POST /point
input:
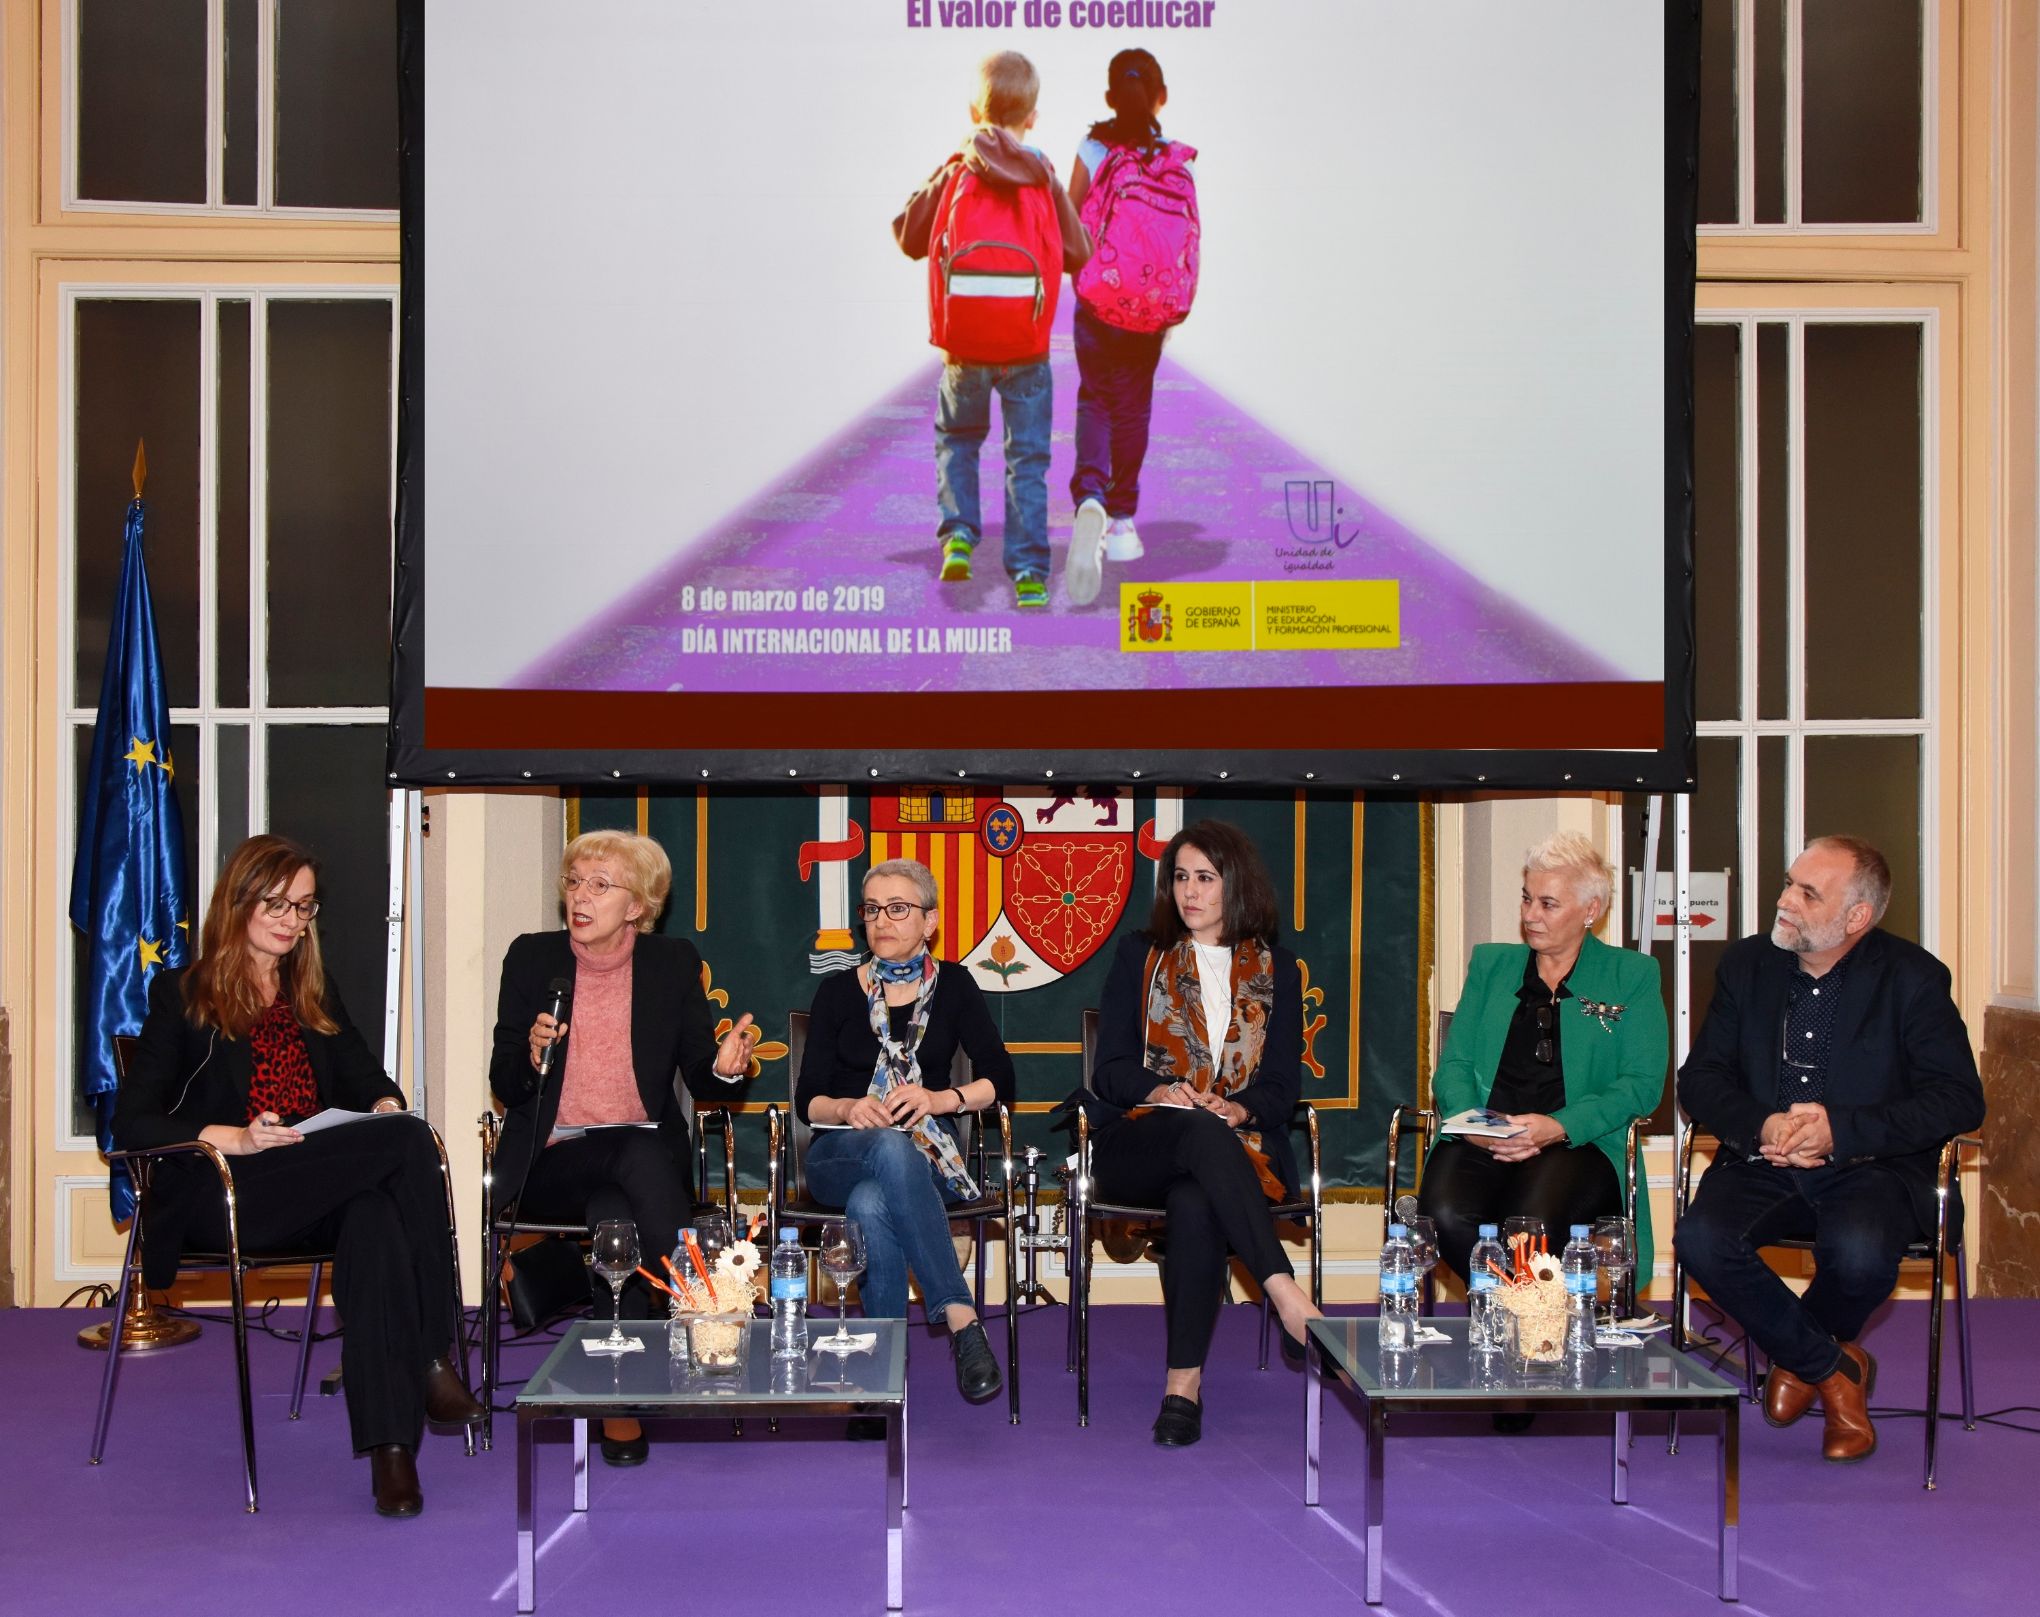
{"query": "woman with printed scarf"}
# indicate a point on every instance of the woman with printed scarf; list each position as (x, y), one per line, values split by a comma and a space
(874, 1084)
(1200, 1039)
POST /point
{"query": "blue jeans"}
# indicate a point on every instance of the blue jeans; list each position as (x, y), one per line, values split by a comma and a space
(880, 1178)
(1115, 400)
(963, 420)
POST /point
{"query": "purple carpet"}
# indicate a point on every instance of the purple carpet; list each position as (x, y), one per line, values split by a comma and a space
(1216, 504)
(1044, 1518)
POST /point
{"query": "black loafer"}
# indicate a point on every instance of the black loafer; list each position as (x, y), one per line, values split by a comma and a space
(977, 1372)
(1180, 1423)
(1513, 1425)
(393, 1474)
(865, 1429)
(625, 1451)
(447, 1400)
(1292, 1350)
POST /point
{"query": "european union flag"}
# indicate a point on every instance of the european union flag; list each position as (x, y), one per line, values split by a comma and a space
(128, 886)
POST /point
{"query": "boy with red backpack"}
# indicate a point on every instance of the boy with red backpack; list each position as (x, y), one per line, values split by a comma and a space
(998, 231)
(1137, 194)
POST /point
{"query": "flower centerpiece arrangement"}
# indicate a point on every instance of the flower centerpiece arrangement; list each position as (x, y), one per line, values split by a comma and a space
(1533, 1298)
(712, 1304)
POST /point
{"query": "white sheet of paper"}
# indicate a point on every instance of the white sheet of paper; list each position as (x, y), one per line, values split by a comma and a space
(1475, 1120)
(573, 1131)
(333, 1117)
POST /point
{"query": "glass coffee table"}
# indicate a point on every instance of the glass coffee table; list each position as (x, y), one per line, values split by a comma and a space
(1445, 1378)
(576, 1385)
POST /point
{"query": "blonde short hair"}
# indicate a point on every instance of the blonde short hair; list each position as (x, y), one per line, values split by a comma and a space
(1591, 876)
(646, 872)
(1008, 87)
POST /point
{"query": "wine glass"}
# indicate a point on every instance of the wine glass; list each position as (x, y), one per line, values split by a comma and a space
(1523, 1224)
(713, 1235)
(1615, 1257)
(1424, 1242)
(614, 1256)
(843, 1262)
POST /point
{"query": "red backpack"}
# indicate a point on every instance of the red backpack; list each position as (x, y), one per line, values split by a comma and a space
(1141, 211)
(994, 270)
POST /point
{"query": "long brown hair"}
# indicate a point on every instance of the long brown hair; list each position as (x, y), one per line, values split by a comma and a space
(220, 989)
(1250, 908)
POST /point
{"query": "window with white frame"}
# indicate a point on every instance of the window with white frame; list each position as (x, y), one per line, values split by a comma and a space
(1815, 439)
(241, 107)
(269, 423)
(1816, 116)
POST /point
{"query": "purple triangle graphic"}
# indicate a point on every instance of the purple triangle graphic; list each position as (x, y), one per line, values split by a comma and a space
(1216, 504)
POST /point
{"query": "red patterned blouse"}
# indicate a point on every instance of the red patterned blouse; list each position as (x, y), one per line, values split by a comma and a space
(282, 1080)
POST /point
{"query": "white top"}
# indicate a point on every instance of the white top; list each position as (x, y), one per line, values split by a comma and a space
(1214, 981)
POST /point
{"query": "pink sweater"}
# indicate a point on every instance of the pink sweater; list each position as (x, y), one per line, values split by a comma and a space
(600, 1083)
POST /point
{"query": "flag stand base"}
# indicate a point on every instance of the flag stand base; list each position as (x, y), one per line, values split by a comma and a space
(143, 1330)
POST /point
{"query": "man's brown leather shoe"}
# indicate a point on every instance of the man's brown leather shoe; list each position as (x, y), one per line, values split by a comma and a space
(1845, 1402)
(447, 1401)
(394, 1476)
(1786, 1397)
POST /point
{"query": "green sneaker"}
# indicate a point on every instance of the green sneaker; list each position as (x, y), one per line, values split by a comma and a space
(956, 559)
(1030, 591)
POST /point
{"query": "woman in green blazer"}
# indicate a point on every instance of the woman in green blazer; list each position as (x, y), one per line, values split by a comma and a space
(1564, 1035)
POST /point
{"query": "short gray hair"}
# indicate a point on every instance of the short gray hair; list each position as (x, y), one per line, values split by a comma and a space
(1591, 876)
(1870, 882)
(908, 870)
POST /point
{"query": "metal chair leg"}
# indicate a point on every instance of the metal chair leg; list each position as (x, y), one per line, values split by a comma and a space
(130, 1276)
(310, 1330)
(1266, 1314)
(492, 1335)
(238, 1283)
(1934, 1364)
(1962, 1339)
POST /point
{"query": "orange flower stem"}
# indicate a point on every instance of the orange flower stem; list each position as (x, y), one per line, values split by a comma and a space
(655, 1280)
(694, 1257)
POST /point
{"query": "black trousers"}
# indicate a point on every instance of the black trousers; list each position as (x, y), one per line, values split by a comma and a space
(1859, 1220)
(1193, 1167)
(615, 1173)
(1465, 1187)
(372, 1194)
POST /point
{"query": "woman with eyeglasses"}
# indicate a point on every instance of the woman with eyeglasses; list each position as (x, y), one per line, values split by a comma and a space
(890, 1128)
(597, 1131)
(239, 1047)
(1563, 1035)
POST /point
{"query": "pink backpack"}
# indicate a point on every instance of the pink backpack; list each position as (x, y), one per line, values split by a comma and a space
(1141, 211)
(994, 271)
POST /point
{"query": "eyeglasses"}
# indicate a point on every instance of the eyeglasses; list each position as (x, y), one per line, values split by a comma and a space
(1547, 1024)
(898, 910)
(598, 885)
(276, 905)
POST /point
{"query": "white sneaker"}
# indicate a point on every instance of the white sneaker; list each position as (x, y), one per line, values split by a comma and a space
(1122, 543)
(1087, 559)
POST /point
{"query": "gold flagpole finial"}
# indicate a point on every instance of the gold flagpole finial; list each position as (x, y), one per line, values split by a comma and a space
(141, 467)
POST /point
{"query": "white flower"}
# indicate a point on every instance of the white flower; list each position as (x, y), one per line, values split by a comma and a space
(739, 1260)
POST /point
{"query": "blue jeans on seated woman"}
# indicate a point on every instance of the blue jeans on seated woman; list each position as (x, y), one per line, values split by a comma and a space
(880, 1178)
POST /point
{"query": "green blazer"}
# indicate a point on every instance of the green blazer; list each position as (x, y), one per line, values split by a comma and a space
(1612, 1073)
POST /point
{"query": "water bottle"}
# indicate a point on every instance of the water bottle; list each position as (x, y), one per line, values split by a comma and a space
(1483, 1291)
(1577, 1265)
(789, 1296)
(1398, 1331)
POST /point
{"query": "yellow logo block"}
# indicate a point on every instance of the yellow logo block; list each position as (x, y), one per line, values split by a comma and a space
(1331, 615)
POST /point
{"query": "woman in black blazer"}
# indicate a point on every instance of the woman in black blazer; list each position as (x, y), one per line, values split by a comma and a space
(1200, 1041)
(248, 1041)
(602, 1134)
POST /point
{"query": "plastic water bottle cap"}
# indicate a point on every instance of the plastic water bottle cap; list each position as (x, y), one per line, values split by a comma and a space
(1398, 1232)
(1582, 1232)
(789, 1233)
(1490, 1232)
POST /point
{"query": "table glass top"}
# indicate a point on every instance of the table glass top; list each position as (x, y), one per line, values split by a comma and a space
(1445, 1370)
(664, 1373)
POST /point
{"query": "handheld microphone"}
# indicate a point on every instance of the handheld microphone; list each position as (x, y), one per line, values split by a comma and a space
(558, 993)
(1405, 1209)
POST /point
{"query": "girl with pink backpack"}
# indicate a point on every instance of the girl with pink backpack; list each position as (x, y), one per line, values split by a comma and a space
(1136, 191)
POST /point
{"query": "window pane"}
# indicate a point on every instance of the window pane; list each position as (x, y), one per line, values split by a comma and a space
(231, 501)
(1869, 787)
(1860, 120)
(1717, 519)
(336, 104)
(1769, 96)
(1775, 843)
(184, 753)
(1774, 506)
(329, 503)
(243, 93)
(141, 100)
(1718, 123)
(138, 380)
(230, 771)
(325, 790)
(1863, 514)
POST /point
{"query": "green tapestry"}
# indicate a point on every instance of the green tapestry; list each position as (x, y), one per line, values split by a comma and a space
(1035, 884)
